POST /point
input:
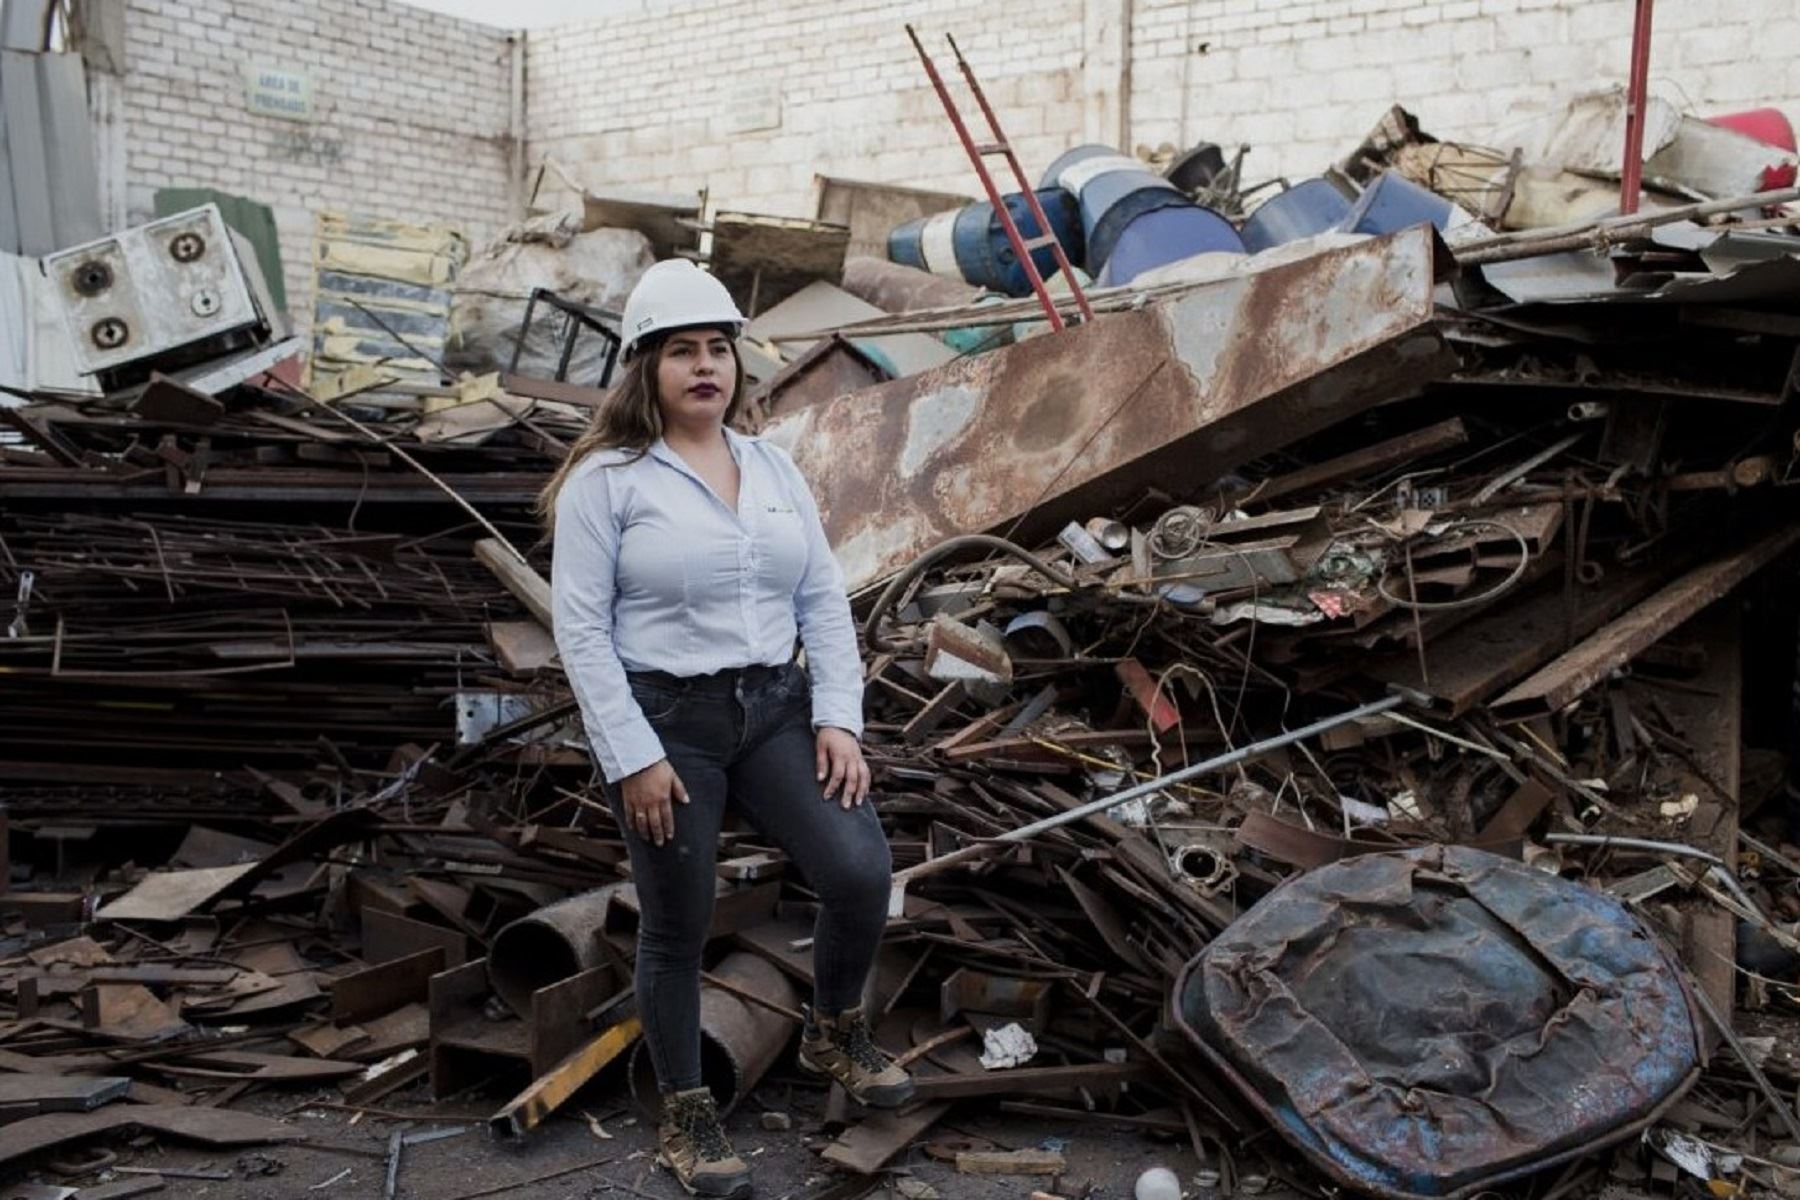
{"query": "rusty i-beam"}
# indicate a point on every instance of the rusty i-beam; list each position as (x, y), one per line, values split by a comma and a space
(1170, 395)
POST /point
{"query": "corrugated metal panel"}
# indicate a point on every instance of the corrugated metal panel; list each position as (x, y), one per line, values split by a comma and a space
(47, 160)
(15, 325)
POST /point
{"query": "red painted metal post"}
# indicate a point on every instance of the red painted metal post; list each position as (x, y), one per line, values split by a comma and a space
(1637, 100)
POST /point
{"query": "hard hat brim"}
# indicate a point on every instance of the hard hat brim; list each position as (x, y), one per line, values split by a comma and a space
(731, 329)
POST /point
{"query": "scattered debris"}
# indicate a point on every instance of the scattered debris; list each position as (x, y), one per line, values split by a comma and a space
(1393, 541)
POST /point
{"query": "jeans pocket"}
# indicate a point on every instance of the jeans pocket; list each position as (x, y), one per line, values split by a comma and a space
(658, 704)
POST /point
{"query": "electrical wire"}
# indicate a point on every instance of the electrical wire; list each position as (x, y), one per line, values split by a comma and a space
(1518, 573)
(891, 594)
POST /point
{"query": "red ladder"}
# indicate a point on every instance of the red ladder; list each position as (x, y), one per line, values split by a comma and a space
(1022, 247)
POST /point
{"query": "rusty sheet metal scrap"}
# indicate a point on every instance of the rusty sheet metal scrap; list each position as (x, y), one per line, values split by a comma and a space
(1433, 1022)
(1179, 391)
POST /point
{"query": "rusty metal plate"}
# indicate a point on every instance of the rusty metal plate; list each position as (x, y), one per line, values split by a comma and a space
(1437, 1021)
(1062, 426)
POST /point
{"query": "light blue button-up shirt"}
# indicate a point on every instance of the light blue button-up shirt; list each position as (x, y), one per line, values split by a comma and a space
(654, 572)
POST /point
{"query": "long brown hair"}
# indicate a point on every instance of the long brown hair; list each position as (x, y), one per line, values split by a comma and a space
(629, 418)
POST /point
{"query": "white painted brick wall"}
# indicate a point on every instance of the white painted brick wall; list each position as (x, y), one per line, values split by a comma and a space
(646, 100)
(640, 100)
(410, 114)
(1466, 68)
(412, 107)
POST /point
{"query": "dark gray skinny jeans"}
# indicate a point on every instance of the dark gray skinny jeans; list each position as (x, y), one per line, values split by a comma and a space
(744, 738)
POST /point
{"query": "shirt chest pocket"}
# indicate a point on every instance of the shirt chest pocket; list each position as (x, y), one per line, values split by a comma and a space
(781, 546)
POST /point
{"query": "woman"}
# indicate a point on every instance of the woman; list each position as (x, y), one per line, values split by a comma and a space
(687, 559)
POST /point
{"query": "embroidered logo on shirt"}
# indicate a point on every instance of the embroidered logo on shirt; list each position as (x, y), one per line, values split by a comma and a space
(777, 508)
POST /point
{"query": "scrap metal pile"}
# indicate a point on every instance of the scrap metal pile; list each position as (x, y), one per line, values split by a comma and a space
(298, 796)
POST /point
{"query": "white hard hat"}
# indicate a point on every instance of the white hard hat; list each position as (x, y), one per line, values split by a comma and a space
(675, 294)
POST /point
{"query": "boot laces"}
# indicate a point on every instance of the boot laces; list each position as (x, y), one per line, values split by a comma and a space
(854, 1040)
(698, 1118)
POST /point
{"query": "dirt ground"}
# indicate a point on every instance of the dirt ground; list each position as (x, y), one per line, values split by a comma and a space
(345, 1159)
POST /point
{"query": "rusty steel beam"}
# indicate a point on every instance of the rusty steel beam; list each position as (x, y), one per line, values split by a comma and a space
(1506, 642)
(1382, 456)
(1567, 676)
(1170, 396)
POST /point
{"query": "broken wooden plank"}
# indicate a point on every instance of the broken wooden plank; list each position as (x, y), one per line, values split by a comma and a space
(1010, 1162)
(516, 575)
(523, 647)
(934, 713)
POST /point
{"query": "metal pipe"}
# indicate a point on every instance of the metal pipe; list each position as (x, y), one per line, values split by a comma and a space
(1605, 231)
(932, 866)
(554, 943)
(739, 1041)
(1637, 97)
(515, 131)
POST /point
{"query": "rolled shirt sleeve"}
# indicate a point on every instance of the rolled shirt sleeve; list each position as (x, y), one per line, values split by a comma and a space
(582, 584)
(822, 613)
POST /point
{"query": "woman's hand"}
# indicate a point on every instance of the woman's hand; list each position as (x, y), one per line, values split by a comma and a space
(842, 770)
(650, 797)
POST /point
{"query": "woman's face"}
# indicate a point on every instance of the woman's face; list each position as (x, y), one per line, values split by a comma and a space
(695, 376)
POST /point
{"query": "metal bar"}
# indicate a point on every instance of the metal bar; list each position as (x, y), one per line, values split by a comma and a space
(1607, 841)
(546, 1094)
(1031, 201)
(1572, 673)
(1637, 98)
(512, 365)
(1104, 804)
(1774, 1098)
(1610, 230)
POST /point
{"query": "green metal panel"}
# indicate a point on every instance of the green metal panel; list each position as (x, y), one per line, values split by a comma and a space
(255, 221)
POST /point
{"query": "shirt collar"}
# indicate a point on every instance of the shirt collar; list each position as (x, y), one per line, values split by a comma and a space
(736, 441)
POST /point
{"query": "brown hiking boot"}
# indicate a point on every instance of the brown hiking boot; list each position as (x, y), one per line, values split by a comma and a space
(841, 1047)
(693, 1146)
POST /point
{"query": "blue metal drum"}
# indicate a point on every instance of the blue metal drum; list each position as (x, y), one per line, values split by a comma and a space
(1114, 190)
(970, 243)
(1167, 235)
(1308, 208)
(1394, 202)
